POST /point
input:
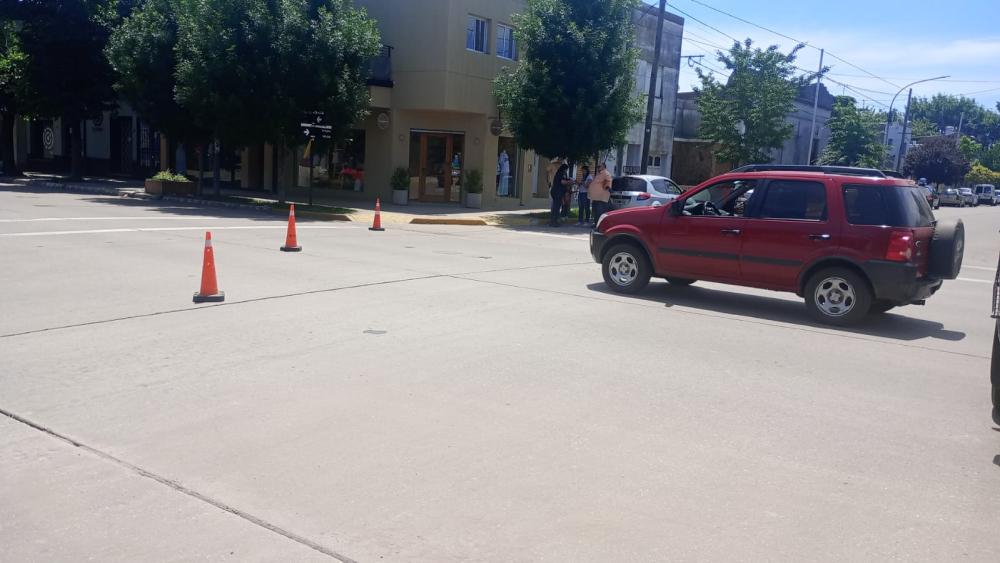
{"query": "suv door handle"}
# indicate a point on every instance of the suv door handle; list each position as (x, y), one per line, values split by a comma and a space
(823, 236)
(732, 232)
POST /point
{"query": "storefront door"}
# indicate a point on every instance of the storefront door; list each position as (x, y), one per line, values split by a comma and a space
(437, 161)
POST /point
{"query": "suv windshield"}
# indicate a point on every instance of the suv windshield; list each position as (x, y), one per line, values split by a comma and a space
(896, 206)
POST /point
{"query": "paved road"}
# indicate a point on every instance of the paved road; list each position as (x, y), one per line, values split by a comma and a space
(465, 394)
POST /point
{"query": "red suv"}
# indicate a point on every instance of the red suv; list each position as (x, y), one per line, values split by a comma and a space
(851, 241)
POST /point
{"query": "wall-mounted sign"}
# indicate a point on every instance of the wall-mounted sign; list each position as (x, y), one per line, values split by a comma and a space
(496, 127)
(48, 139)
(98, 121)
(382, 121)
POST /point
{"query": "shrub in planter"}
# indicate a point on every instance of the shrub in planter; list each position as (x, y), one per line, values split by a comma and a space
(167, 183)
(473, 183)
(400, 182)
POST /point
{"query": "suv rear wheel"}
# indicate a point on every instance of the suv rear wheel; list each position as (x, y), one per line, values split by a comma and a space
(626, 269)
(838, 296)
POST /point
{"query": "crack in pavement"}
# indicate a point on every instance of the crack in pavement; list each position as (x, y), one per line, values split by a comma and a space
(257, 521)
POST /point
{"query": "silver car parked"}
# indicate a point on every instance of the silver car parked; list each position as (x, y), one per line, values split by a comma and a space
(969, 196)
(642, 191)
(951, 196)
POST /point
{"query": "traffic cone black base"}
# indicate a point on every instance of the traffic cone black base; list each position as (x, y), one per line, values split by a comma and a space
(375, 229)
(217, 298)
(291, 249)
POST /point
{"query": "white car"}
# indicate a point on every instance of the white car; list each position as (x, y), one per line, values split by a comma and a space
(987, 193)
(642, 191)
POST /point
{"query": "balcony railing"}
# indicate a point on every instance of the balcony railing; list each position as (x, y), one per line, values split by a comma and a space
(381, 68)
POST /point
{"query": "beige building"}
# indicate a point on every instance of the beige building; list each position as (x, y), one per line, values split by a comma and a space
(433, 113)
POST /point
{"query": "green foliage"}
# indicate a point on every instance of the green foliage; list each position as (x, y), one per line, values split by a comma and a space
(938, 160)
(944, 110)
(990, 157)
(169, 176)
(760, 92)
(855, 136)
(142, 53)
(980, 174)
(922, 128)
(13, 91)
(400, 179)
(473, 181)
(248, 69)
(572, 94)
(971, 150)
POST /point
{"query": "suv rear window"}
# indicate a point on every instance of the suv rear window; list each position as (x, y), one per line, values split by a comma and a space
(896, 206)
(627, 184)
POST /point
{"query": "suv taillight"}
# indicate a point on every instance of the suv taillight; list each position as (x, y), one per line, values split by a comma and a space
(643, 196)
(900, 246)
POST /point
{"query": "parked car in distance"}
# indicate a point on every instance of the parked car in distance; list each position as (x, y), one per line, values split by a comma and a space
(642, 191)
(849, 241)
(968, 197)
(950, 196)
(933, 199)
(987, 193)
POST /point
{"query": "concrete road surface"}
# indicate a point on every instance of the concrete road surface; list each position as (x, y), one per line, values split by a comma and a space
(466, 394)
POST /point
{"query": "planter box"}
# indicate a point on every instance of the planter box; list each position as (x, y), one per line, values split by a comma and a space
(475, 201)
(162, 187)
(401, 197)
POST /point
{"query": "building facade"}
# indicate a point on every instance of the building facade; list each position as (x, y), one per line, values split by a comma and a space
(628, 158)
(433, 114)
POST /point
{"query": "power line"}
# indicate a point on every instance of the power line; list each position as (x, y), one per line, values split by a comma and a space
(912, 79)
(699, 2)
(779, 34)
(979, 92)
(715, 29)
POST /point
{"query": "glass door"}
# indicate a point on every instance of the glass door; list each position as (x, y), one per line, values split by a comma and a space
(436, 165)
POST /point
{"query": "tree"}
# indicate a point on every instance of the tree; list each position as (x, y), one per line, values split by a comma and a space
(142, 53)
(759, 93)
(990, 157)
(293, 56)
(938, 160)
(945, 110)
(971, 150)
(66, 70)
(980, 174)
(12, 92)
(572, 94)
(855, 136)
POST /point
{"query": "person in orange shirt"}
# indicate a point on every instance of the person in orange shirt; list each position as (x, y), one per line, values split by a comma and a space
(599, 192)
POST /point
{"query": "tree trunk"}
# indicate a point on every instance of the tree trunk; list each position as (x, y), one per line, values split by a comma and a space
(216, 169)
(76, 152)
(7, 145)
(202, 158)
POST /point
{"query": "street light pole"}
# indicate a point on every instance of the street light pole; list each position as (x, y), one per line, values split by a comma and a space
(812, 129)
(888, 117)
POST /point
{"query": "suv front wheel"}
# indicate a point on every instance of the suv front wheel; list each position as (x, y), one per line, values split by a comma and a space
(626, 269)
(838, 296)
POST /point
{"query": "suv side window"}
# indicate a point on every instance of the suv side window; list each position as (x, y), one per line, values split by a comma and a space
(865, 205)
(725, 199)
(794, 199)
(666, 187)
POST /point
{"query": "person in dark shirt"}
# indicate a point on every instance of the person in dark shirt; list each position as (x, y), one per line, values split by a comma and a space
(560, 183)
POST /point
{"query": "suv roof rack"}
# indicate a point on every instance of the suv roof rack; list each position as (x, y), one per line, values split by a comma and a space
(893, 174)
(846, 170)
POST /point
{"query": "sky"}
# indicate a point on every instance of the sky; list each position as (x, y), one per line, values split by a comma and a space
(890, 43)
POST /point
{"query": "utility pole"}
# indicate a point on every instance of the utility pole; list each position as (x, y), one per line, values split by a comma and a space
(958, 135)
(812, 130)
(652, 87)
(902, 138)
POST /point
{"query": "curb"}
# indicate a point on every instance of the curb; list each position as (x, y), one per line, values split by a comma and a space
(315, 215)
(466, 222)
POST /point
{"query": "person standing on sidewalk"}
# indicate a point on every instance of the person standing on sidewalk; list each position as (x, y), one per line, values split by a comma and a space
(560, 183)
(599, 192)
(584, 199)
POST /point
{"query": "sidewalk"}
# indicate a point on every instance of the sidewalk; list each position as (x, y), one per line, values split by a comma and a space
(325, 205)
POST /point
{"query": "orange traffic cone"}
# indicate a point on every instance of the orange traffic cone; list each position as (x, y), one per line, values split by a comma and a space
(377, 224)
(209, 287)
(291, 242)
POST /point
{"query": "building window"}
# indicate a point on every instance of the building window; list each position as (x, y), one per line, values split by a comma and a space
(477, 35)
(653, 161)
(506, 47)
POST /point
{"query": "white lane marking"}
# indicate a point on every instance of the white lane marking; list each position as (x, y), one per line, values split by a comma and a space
(160, 229)
(144, 218)
(554, 235)
(974, 281)
(979, 268)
